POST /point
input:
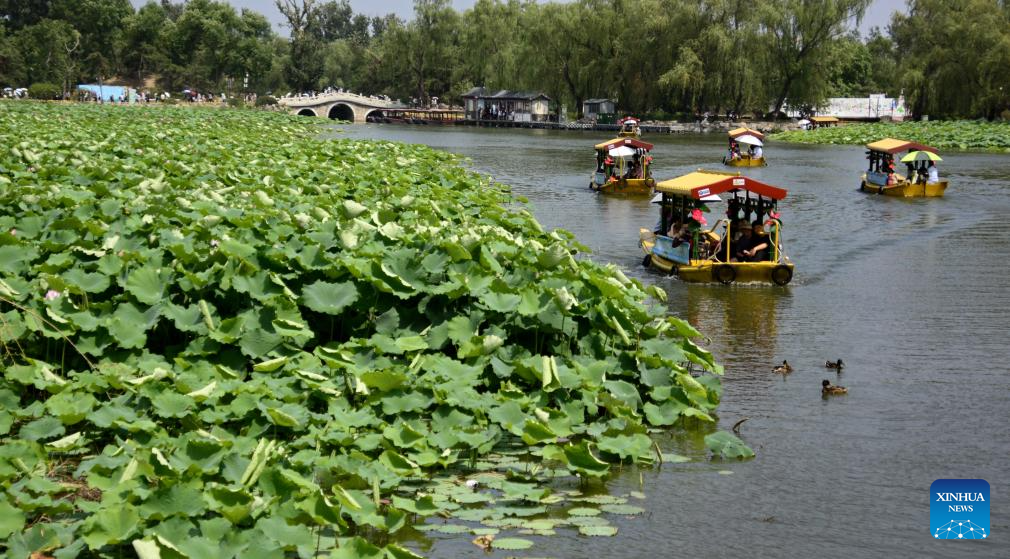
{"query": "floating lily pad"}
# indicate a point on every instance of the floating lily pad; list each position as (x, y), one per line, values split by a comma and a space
(603, 500)
(452, 529)
(511, 544)
(583, 511)
(598, 530)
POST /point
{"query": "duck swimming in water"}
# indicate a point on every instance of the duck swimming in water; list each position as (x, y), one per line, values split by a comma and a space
(829, 389)
(834, 364)
(785, 367)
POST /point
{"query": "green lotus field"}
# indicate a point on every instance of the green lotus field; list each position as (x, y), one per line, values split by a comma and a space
(221, 336)
(964, 135)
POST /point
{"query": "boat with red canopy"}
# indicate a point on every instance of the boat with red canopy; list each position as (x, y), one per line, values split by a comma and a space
(735, 249)
(623, 166)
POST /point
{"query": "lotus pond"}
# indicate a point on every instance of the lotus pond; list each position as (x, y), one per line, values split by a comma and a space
(964, 135)
(225, 337)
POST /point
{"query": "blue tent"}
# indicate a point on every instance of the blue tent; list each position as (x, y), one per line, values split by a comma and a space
(107, 92)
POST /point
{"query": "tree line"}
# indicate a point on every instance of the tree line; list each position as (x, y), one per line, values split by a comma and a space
(950, 58)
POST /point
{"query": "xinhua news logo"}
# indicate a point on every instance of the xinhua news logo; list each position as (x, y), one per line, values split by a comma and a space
(959, 509)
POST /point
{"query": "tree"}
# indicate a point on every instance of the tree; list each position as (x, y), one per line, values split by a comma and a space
(100, 24)
(49, 51)
(799, 32)
(961, 57)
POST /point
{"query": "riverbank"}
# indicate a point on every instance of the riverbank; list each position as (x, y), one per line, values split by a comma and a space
(214, 334)
(959, 135)
(649, 127)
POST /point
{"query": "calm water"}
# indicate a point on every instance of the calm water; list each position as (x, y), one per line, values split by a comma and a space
(914, 295)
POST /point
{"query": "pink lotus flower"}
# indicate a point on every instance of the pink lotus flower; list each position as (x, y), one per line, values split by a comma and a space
(774, 215)
(52, 294)
(14, 231)
(698, 216)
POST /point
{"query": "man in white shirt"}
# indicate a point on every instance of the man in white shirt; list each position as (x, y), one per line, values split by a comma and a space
(932, 173)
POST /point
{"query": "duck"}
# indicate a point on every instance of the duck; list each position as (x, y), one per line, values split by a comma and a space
(834, 364)
(785, 367)
(829, 389)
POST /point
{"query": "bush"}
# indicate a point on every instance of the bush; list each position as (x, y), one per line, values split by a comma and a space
(235, 102)
(265, 100)
(44, 90)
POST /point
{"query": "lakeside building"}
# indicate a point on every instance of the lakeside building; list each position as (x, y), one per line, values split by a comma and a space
(516, 106)
(598, 109)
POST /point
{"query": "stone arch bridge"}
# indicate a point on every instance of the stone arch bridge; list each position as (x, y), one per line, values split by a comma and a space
(341, 106)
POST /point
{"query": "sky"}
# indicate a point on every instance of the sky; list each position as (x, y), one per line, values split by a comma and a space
(878, 14)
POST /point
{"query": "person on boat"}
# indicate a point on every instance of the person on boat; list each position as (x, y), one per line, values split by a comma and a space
(744, 243)
(912, 172)
(762, 248)
(891, 179)
(933, 174)
(758, 152)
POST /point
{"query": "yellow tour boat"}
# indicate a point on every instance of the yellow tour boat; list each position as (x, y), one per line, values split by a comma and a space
(623, 167)
(629, 128)
(732, 250)
(754, 140)
(921, 178)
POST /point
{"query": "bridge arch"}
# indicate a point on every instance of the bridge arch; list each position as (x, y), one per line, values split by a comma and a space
(306, 112)
(342, 111)
(375, 115)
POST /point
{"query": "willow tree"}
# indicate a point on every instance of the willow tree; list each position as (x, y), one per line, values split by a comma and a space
(955, 57)
(799, 34)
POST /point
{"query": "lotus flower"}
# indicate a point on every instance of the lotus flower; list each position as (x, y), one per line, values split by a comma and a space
(52, 294)
(774, 215)
(14, 232)
(698, 216)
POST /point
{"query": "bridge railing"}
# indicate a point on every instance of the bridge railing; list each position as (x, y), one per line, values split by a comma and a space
(345, 95)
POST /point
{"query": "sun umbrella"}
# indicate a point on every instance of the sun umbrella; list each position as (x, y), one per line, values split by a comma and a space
(920, 156)
(622, 151)
(749, 139)
(803, 122)
(710, 198)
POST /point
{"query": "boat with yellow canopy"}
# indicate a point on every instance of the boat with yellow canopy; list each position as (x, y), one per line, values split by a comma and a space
(921, 179)
(732, 250)
(753, 157)
(629, 128)
(623, 166)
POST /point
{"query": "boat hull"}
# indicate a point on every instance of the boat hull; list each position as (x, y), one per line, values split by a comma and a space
(746, 161)
(625, 186)
(711, 271)
(905, 189)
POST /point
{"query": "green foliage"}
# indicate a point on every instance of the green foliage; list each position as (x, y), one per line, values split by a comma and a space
(265, 101)
(45, 91)
(216, 339)
(954, 57)
(993, 136)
